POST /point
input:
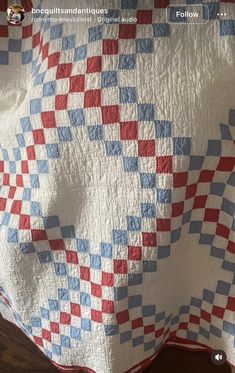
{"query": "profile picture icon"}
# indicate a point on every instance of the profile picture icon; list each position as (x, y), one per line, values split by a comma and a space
(15, 14)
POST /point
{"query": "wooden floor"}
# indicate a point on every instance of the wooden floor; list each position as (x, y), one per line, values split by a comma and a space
(19, 355)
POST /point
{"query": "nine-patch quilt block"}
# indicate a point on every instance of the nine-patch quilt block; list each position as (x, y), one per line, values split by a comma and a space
(117, 182)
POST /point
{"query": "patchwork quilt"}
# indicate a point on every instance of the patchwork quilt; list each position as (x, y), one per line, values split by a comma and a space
(117, 182)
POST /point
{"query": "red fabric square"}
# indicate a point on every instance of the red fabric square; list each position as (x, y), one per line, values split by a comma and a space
(177, 209)
(85, 273)
(149, 329)
(96, 290)
(206, 176)
(31, 153)
(71, 257)
(1, 166)
(27, 5)
(205, 316)
(218, 312)
(46, 335)
(107, 306)
(3, 203)
(11, 193)
(194, 319)
(24, 167)
(38, 235)
(199, 202)
(3, 5)
(149, 239)
(96, 316)
(6, 179)
(53, 59)
(65, 318)
(159, 332)
(128, 131)
(54, 326)
(231, 304)
(45, 51)
(3, 31)
(134, 253)
(61, 102)
(38, 341)
(64, 70)
(94, 64)
(48, 119)
(226, 164)
(27, 31)
(107, 279)
(120, 266)
(110, 114)
(231, 247)
(110, 46)
(57, 244)
(161, 3)
(92, 98)
(191, 191)
(211, 215)
(163, 225)
(137, 323)
(75, 309)
(24, 222)
(36, 39)
(164, 164)
(144, 16)
(222, 231)
(38, 137)
(127, 31)
(180, 179)
(16, 207)
(77, 83)
(146, 148)
(183, 325)
(19, 181)
(122, 317)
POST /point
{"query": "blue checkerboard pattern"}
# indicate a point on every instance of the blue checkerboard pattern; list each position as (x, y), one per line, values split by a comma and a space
(86, 94)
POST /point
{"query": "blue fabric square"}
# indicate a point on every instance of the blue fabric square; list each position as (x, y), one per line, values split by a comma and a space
(45, 257)
(134, 301)
(85, 299)
(113, 147)
(94, 33)
(181, 146)
(13, 235)
(63, 294)
(148, 310)
(6, 218)
(27, 248)
(51, 222)
(49, 88)
(229, 327)
(52, 151)
(111, 16)
(4, 58)
(130, 164)
(161, 29)
(64, 134)
(86, 324)
(133, 223)
(231, 119)
(27, 194)
(127, 95)
(129, 4)
(138, 341)
(120, 237)
(106, 250)
(108, 79)
(42, 167)
(227, 27)
(223, 287)
(126, 336)
(56, 349)
(12, 167)
(15, 45)
(135, 279)
(147, 180)
(54, 305)
(65, 341)
(20, 140)
(27, 57)
(34, 180)
(5, 152)
(208, 296)
(95, 132)
(60, 269)
(68, 231)
(17, 154)
(175, 16)
(146, 112)
(26, 124)
(148, 210)
(75, 333)
(214, 147)
(35, 209)
(83, 245)
(144, 45)
(163, 251)
(76, 117)
(175, 235)
(80, 53)
(95, 261)
(36, 322)
(163, 128)
(39, 79)
(225, 132)
(196, 162)
(35, 106)
(68, 42)
(74, 283)
(127, 61)
(164, 195)
(56, 31)
(210, 10)
(149, 266)
(111, 329)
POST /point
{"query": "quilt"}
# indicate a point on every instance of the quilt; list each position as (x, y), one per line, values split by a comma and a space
(117, 182)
